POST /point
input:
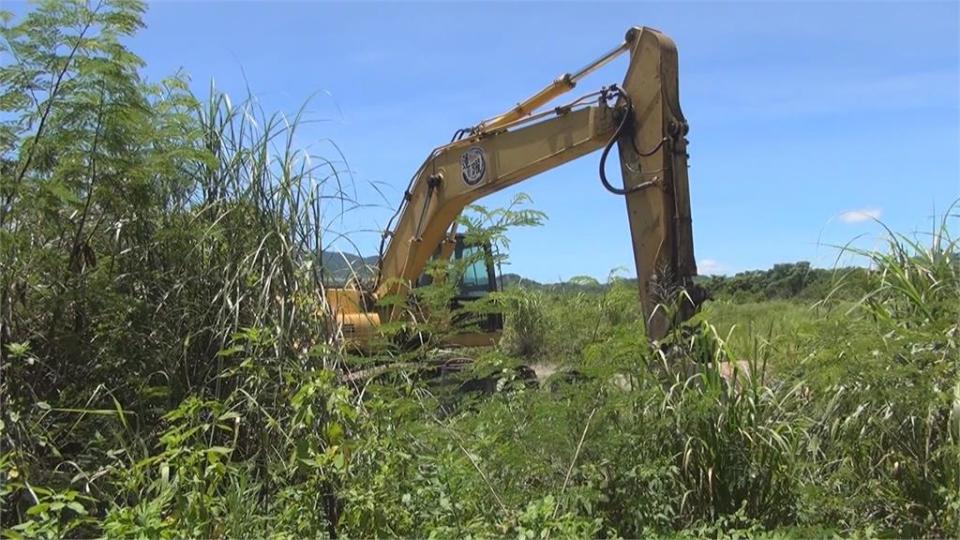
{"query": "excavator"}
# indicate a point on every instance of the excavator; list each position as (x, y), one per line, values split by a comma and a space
(641, 116)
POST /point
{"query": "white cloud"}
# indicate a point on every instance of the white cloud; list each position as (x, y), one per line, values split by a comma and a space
(709, 266)
(863, 214)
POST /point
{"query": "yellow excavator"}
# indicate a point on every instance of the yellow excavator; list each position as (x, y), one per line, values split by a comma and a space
(642, 116)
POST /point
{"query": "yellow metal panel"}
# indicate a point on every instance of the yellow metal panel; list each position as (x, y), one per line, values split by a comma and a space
(358, 327)
(344, 301)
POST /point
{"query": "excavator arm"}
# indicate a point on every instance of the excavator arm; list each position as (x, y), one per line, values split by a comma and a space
(462, 172)
(642, 116)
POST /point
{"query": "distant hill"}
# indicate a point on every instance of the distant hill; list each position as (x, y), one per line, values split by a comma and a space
(585, 284)
(509, 280)
(338, 267)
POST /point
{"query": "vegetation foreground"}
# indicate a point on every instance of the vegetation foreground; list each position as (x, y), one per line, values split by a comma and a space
(166, 369)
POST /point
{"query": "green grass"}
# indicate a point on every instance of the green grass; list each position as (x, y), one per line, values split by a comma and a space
(168, 370)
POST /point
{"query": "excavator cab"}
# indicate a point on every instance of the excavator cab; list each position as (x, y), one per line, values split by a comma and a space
(480, 277)
(480, 274)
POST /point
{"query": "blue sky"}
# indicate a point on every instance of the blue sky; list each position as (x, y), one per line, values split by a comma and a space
(805, 118)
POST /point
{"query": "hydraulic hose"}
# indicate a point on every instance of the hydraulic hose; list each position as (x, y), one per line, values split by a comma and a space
(624, 121)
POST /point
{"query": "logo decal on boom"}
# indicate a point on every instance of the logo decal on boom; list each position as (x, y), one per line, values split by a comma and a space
(473, 163)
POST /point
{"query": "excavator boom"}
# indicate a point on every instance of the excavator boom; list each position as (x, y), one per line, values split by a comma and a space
(462, 172)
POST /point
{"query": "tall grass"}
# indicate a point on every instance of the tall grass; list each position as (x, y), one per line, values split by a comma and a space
(161, 285)
(167, 369)
(841, 423)
(916, 282)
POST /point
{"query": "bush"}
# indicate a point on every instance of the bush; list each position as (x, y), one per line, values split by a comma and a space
(525, 328)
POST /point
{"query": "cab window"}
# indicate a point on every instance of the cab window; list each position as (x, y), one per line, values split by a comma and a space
(476, 280)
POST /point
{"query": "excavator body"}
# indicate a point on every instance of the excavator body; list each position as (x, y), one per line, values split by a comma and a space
(642, 116)
(358, 317)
